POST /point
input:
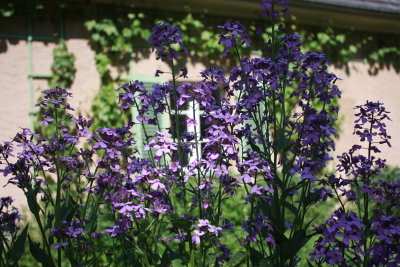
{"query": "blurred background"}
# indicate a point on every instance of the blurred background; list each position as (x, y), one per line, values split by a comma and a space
(93, 46)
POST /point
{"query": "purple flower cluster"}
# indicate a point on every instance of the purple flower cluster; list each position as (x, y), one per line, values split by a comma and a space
(198, 92)
(204, 227)
(370, 123)
(385, 250)
(269, 8)
(256, 226)
(233, 37)
(164, 37)
(372, 239)
(148, 104)
(9, 216)
(342, 234)
(53, 100)
(66, 232)
(162, 145)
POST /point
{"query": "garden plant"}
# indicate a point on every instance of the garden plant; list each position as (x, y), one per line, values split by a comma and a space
(243, 199)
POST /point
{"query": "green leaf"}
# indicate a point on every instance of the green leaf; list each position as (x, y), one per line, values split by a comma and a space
(341, 38)
(211, 258)
(18, 247)
(127, 33)
(178, 263)
(90, 24)
(39, 254)
(353, 49)
(92, 221)
(323, 37)
(256, 258)
(32, 202)
(294, 244)
(283, 143)
(311, 198)
(255, 148)
(166, 258)
(192, 259)
(70, 256)
(238, 258)
(289, 206)
(67, 210)
(309, 263)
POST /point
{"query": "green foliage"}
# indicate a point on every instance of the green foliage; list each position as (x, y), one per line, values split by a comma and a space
(105, 109)
(114, 45)
(63, 68)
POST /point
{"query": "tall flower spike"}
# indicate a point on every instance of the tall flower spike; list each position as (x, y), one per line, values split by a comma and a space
(370, 122)
(234, 35)
(164, 38)
(269, 10)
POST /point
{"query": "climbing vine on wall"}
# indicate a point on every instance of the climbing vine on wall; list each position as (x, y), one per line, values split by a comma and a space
(114, 47)
(63, 68)
(117, 42)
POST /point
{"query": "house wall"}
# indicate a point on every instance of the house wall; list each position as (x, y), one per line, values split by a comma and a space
(357, 86)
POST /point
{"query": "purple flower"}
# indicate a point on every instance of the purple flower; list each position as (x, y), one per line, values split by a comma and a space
(204, 227)
(162, 145)
(164, 38)
(270, 10)
(234, 36)
(198, 92)
(370, 123)
(342, 234)
(9, 216)
(60, 245)
(196, 236)
(385, 249)
(68, 230)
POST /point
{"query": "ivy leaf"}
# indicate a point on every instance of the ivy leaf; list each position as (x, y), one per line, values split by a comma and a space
(341, 38)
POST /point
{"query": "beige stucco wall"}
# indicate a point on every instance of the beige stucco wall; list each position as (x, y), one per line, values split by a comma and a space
(357, 86)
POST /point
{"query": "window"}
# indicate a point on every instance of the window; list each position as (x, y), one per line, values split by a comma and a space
(191, 111)
(148, 129)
